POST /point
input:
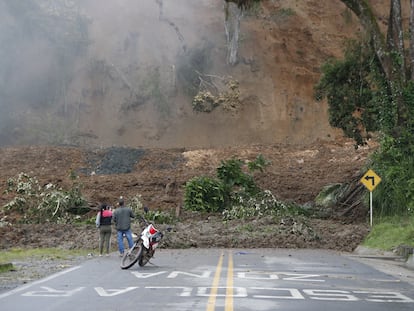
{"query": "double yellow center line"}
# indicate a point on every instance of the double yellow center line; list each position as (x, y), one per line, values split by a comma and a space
(229, 285)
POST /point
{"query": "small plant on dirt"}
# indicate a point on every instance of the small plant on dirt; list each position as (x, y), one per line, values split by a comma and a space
(282, 15)
(136, 204)
(259, 164)
(6, 267)
(159, 217)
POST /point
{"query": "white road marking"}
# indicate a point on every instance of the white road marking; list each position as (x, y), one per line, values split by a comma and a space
(388, 297)
(141, 275)
(25, 287)
(330, 295)
(113, 292)
(369, 295)
(293, 293)
(51, 292)
(186, 291)
(238, 292)
(174, 274)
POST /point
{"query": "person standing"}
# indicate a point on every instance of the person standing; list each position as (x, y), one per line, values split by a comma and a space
(103, 222)
(122, 220)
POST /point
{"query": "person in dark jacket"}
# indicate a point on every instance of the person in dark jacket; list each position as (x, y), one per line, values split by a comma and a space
(103, 222)
(122, 219)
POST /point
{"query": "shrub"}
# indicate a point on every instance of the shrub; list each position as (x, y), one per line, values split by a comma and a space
(231, 174)
(229, 192)
(204, 194)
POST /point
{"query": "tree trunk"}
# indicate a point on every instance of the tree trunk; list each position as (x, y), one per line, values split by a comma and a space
(367, 18)
(395, 38)
(233, 15)
(386, 53)
(411, 29)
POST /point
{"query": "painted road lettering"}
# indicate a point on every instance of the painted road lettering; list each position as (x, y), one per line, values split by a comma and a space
(113, 292)
(231, 292)
(252, 275)
(172, 275)
(50, 292)
(237, 292)
(385, 297)
(276, 293)
(141, 275)
(330, 295)
(185, 291)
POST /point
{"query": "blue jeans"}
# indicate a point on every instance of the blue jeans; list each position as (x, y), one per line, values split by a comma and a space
(120, 236)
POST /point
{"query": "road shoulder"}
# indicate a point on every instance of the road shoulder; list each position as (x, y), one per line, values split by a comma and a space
(386, 262)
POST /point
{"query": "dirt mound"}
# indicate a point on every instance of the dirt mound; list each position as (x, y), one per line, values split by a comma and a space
(296, 174)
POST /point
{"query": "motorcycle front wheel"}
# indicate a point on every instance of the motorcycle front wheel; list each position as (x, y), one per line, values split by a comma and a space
(132, 256)
(145, 257)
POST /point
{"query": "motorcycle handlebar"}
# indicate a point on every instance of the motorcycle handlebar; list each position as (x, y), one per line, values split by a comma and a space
(144, 220)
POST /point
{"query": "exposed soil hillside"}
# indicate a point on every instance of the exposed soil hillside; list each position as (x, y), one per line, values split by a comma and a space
(130, 88)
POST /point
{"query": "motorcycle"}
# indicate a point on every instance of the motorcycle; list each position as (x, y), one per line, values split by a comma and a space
(144, 246)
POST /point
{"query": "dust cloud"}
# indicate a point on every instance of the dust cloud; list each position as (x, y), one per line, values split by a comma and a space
(125, 72)
(91, 70)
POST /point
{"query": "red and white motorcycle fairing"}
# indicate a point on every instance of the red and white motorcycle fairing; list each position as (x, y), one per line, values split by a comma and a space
(151, 237)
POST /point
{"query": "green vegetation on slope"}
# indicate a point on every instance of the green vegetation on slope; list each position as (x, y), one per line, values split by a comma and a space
(391, 232)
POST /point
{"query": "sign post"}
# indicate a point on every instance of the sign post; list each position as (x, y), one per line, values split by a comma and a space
(370, 180)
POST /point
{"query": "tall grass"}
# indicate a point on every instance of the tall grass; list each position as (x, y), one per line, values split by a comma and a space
(16, 254)
(390, 232)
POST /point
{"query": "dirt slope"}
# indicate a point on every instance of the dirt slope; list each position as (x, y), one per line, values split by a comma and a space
(295, 174)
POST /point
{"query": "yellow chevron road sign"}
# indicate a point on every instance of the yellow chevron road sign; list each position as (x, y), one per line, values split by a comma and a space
(370, 180)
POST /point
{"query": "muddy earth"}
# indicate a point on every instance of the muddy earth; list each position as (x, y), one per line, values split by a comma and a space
(296, 174)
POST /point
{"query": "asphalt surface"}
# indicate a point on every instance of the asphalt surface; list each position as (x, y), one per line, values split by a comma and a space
(224, 279)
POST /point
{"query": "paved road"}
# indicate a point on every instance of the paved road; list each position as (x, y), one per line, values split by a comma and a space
(215, 279)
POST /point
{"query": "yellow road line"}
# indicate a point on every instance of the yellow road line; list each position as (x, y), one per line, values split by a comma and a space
(229, 289)
(213, 294)
(216, 281)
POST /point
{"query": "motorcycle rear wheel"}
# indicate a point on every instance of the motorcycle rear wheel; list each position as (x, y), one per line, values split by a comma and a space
(132, 256)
